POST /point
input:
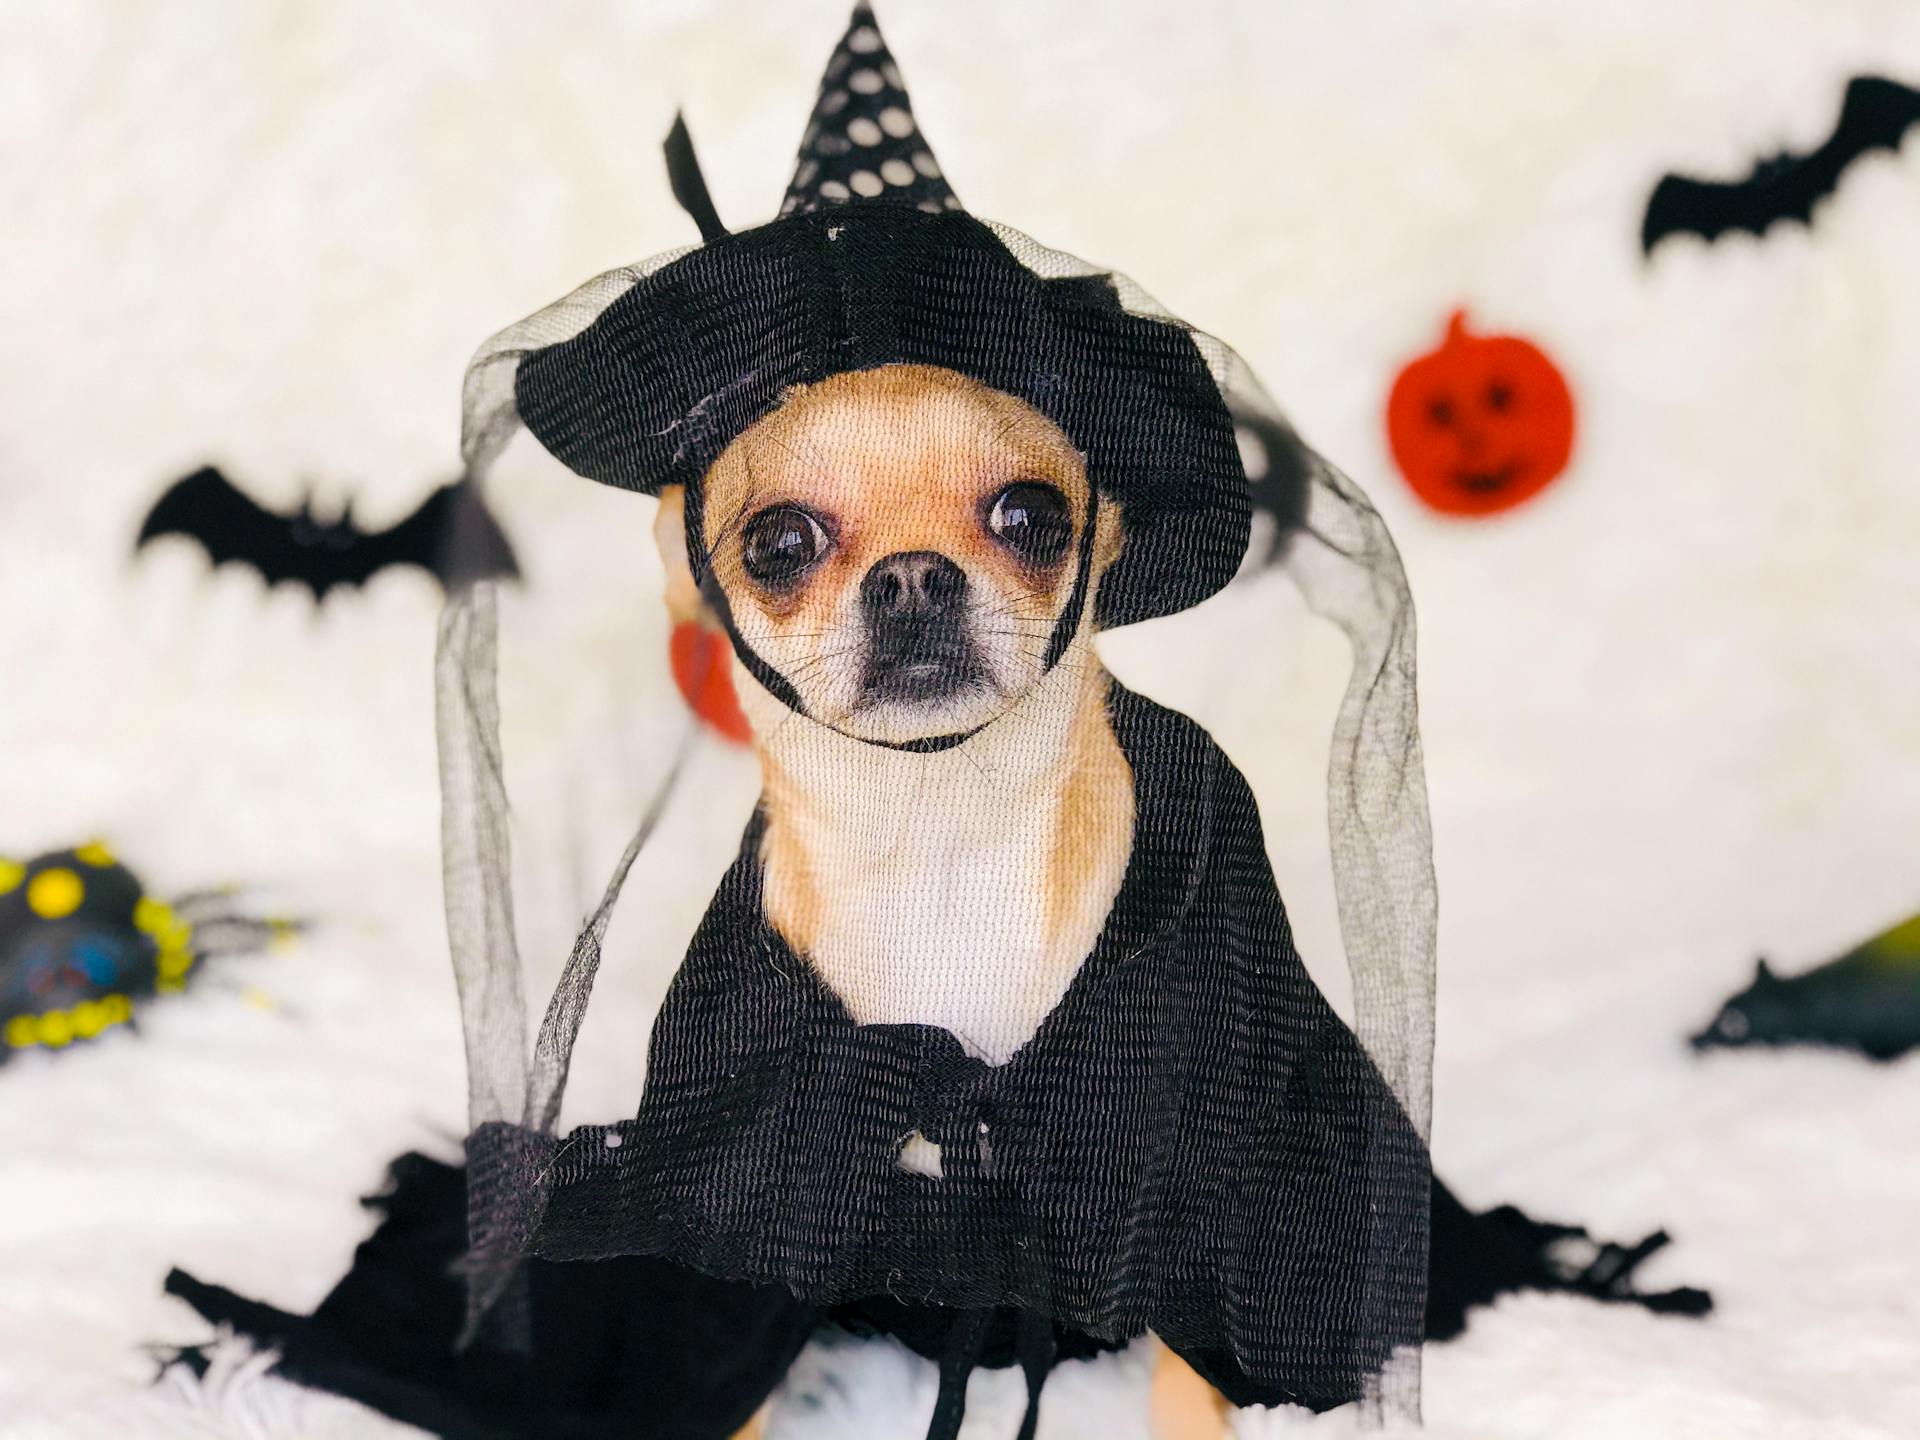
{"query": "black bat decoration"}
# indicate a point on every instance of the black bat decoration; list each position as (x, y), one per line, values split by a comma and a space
(452, 536)
(1876, 116)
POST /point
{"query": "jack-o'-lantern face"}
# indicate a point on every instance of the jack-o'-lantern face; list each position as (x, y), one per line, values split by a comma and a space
(1480, 424)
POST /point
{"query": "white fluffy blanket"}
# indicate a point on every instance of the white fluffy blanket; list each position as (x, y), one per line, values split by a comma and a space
(1672, 709)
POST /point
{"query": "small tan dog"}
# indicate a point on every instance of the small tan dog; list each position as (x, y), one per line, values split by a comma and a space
(906, 539)
(898, 545)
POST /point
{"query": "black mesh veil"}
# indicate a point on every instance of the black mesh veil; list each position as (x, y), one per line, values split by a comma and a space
(1188, 1141)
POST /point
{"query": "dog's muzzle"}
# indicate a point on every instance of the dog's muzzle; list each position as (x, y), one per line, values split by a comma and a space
(919, 648)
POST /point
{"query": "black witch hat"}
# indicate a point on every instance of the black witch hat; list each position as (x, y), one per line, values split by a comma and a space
(873, 262)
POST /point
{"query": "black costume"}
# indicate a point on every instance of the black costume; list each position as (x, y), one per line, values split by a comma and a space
(1193, 1142)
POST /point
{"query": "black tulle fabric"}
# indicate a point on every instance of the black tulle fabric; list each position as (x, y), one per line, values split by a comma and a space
(1193, 1142)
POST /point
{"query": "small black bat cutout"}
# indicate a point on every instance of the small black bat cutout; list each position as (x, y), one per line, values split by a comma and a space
(1876, 115)
(452, 536)
(1867, 1000)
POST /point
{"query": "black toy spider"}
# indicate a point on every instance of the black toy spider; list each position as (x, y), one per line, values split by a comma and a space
(81, 943)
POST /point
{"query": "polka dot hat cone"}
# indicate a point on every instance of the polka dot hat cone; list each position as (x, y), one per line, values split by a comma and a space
(862, 142)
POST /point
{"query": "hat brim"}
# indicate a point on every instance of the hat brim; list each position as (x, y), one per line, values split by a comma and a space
(653, 390)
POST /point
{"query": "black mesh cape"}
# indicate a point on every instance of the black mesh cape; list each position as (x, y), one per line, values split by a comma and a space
(1190, 1141)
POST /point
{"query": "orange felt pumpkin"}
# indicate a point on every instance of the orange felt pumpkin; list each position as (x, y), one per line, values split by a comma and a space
(1480, 424)
(700, 654)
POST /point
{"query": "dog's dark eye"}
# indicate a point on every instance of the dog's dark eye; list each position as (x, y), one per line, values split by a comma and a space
(780, 544)
(1033, 521)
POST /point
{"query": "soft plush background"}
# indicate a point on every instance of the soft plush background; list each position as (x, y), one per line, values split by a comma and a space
(1672, 708)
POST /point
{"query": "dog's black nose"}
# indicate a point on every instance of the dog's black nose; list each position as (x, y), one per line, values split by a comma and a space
(915, 584)
(918, 648)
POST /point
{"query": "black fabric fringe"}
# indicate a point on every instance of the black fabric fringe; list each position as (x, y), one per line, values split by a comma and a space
(645, 1348)
(1476, 1258)
(627, 1347)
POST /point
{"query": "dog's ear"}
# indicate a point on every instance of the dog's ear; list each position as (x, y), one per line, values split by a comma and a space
(670, 534)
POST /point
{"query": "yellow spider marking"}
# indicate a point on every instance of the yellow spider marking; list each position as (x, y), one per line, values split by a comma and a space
(94, 853)
(56, 1029)
(173, 935)
(12, 872)
(156, 918)
(56, 893)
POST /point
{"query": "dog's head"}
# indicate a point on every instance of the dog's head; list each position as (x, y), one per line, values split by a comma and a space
(900, 545)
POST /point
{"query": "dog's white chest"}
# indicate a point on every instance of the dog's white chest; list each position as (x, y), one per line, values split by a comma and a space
(947, 930)
(961, 889)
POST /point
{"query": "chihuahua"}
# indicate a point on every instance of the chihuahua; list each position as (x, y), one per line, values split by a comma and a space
(901, 547)
(898, 545)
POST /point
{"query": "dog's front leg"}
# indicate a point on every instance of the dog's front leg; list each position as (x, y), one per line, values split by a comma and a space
(1182, 1406)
